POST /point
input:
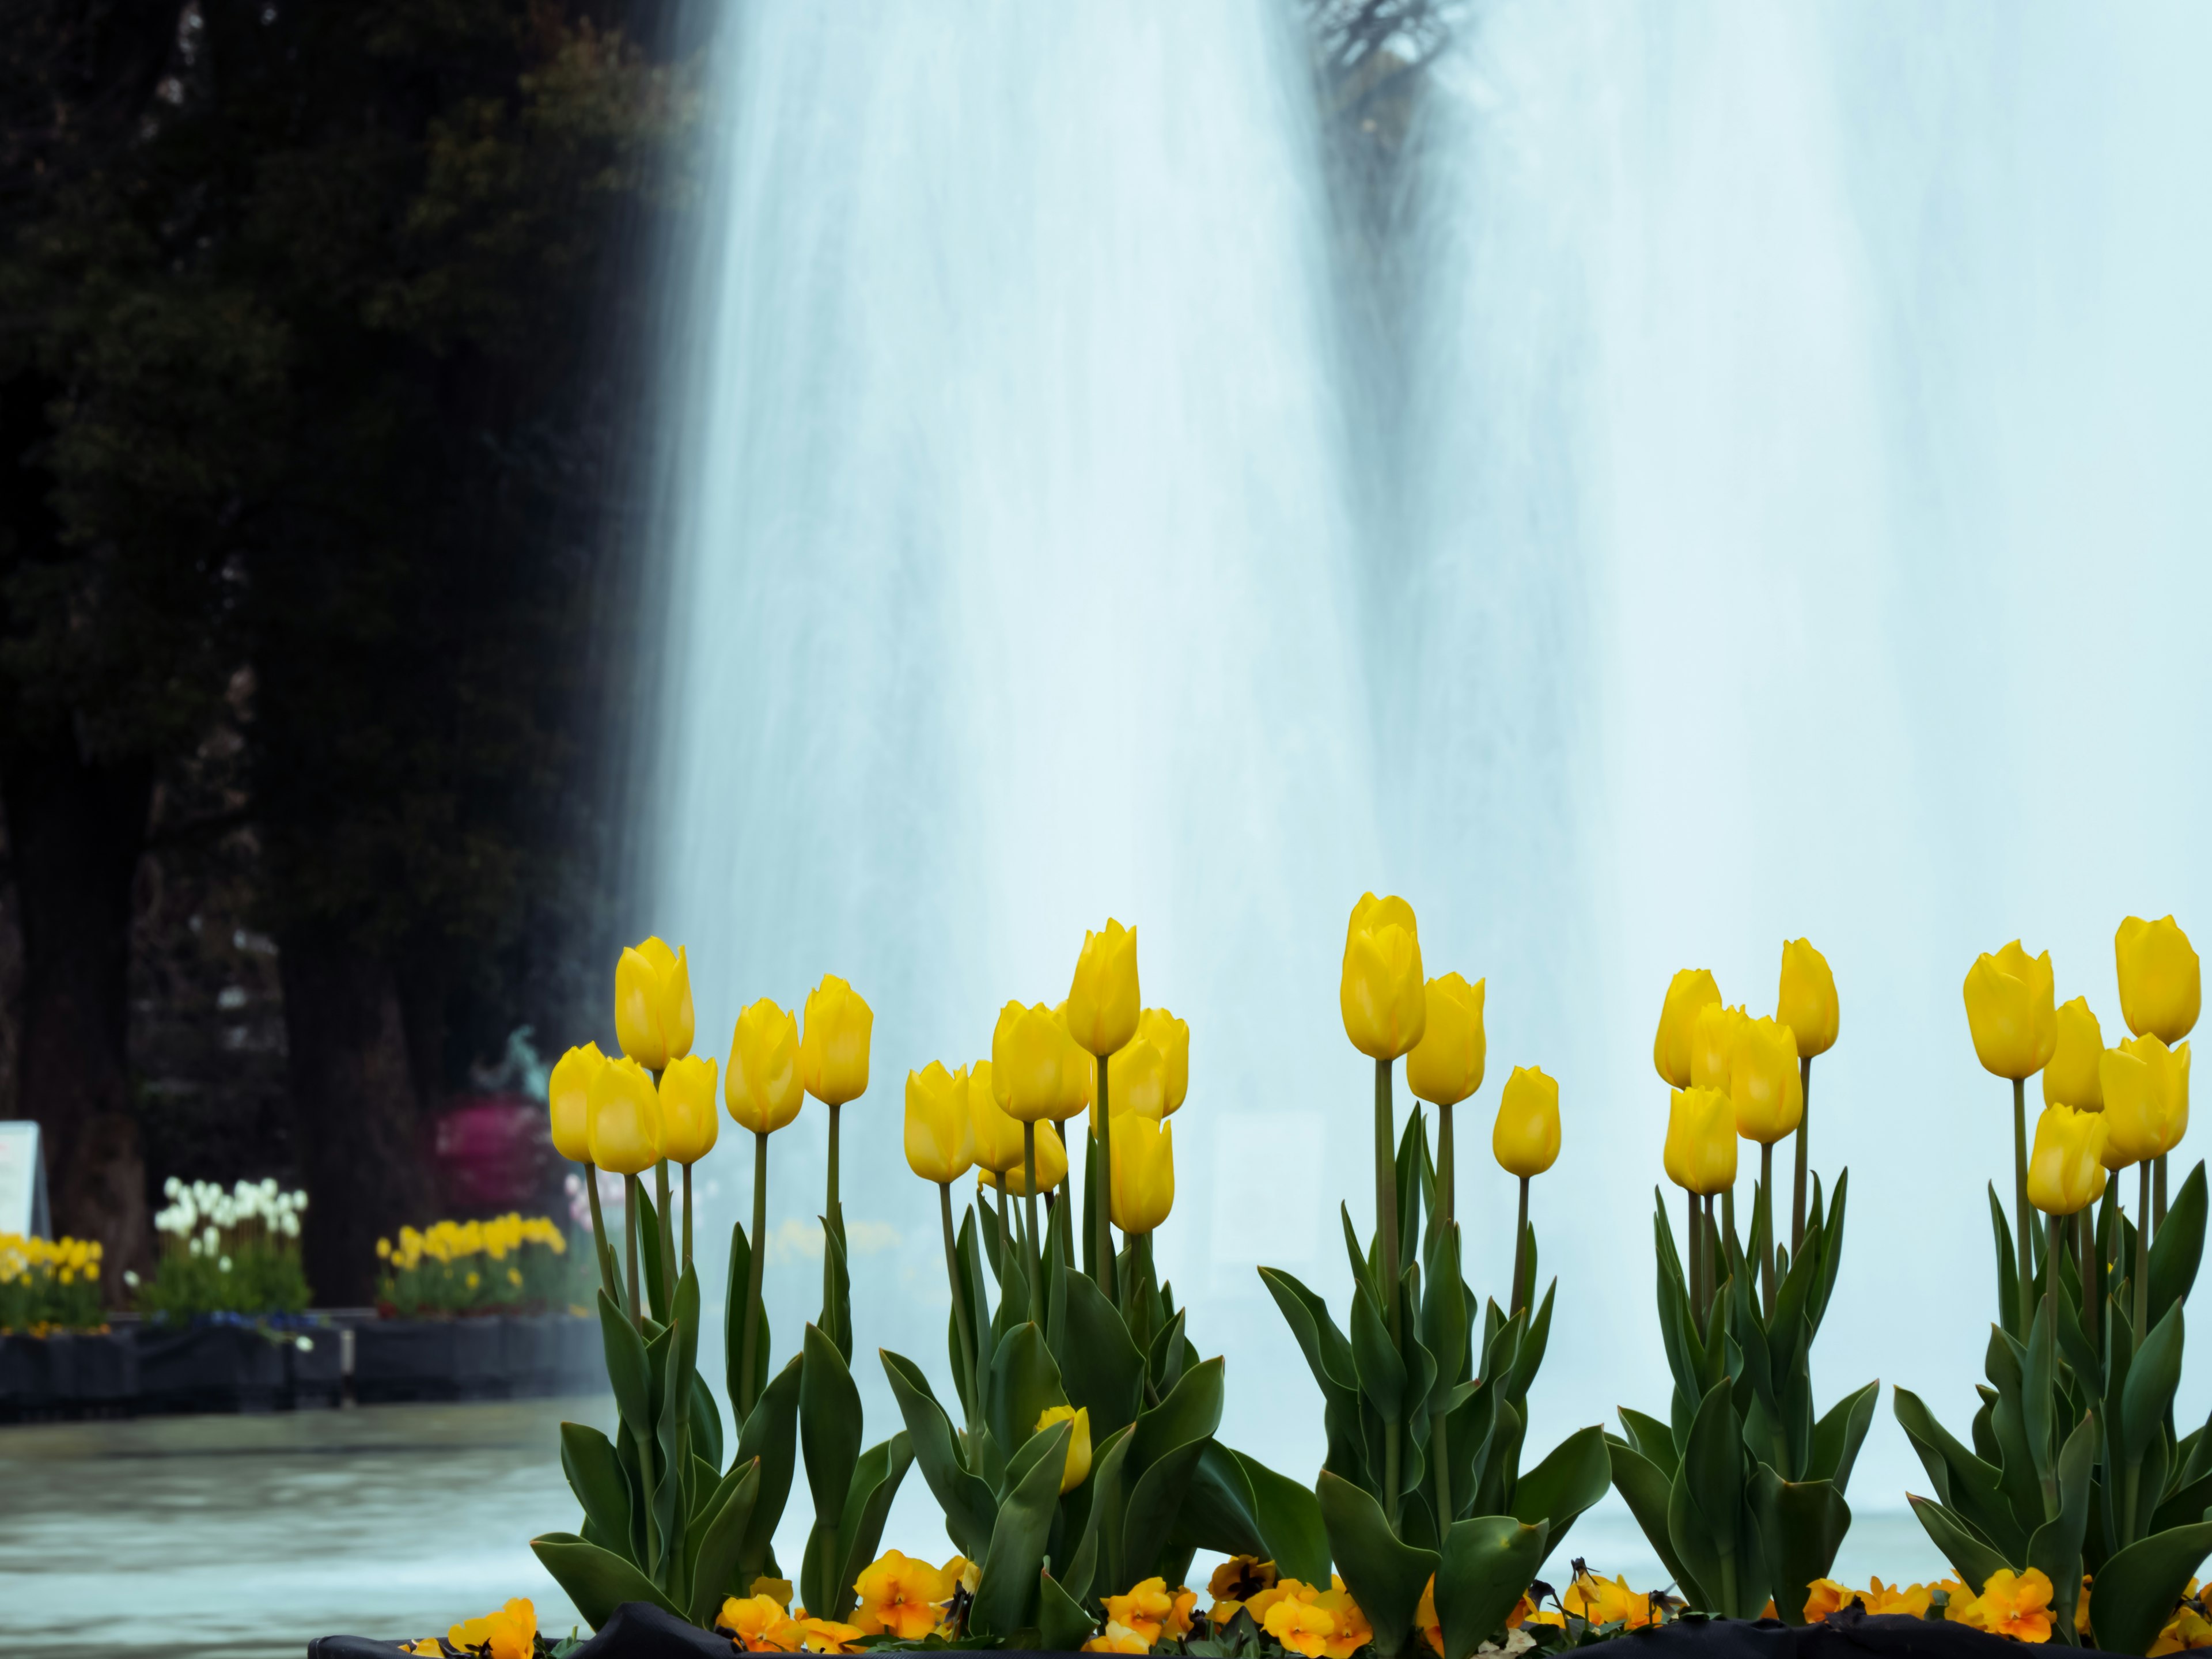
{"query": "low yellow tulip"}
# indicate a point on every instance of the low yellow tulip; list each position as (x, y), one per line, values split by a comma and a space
(1052, 1167)
(1171, 1036)
(1077, 1466)
(1714, 1033)
(761, 1088)
(997, 1137)
(688, 1122)
(569, 1097)
(1691, 990)
(1382, 994)
(1037, 1071)
(1137, 1080)
(653, 1004)
(1807, 1000)
(1144, 1174)
(2161, 986)
(2146, 1099)
(2010, 1011)
(1446, 1067)
(1525, 1139)
(940, 1130)
(833, 1045)
(2066, 1172)
(2074, 1076)
(625, 1118)
(1701, 1141)
(1763, 1082)
(1103, 1002)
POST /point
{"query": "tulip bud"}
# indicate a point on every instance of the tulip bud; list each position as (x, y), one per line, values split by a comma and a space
(1764, 1084)
(997, 1137)
(1103, 1003)
(1036, 1069)
(1701, 1141)
(1078, 1442)
(833, 1048)
(2010, 1012)
(625, 1118)
(762, 1086)
(2161, 987)
(569, 1095)
(1691, 990)
(1383, 996)
(653, 1004)
(1171, 1036)
(1137, 1080)
(2146, 1100)
(2073, 1077)
(1144, 1174)
(688, 1122)
(2066, 1172)
(940, 1131)
(1446, 1067)
(1526, 1137)
(1807, 1001)
(1051, 1161)
(1714, 1034)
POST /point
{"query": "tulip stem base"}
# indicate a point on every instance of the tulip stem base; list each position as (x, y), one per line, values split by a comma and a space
(1804, 1155)
(1447, 1168)
(834, 1213)
(600, 1247)
(2143, 1255)
(970, 1358)
(2050, 1259)
(743, 1390)
(2158, 1196)
(1386, 1196)
(1103, 1222)
(2024, 1228)
(1519, 1293)
(666, 1243)
(1694, 1236)
(1766, 1207)
(1028, 1205)
(687, 1215)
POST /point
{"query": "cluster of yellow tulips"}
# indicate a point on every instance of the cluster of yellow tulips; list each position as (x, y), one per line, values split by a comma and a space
(49, 1284)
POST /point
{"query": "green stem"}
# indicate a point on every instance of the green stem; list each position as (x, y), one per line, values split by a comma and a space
(600, 1247)
(2027, 1237)
(1694, 1234)
(1101, 1225)
(1766, 1246)
(1519, 1293)
(687, 1215)
(1804, 1136)
(1730, 1247)
(2143, 1254)
(1386, 1223)
(1711, 1250)
(834, 1213)
(1447, 1165)
(747, 1351)
(2051, 1362)
(667, 1241)
(2157, 1198)
(1029, 1204)
(959, 1303)
(630, 1227)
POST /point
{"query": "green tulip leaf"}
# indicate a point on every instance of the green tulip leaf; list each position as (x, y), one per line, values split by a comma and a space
(1024, 1383)
(595, 1475)
(1097, 1560)
(1528, 1355)
(2137, 1587)
(2008, 1266)
(1712, 1469)
(2177, 1247)
(1049, 1444)
(715, 1568)
(1062, 1624)
(1568, 1481)
(1385, 1577)
(829, 1428)
(705, 1420)
(1486, 1566)
(836, 1320)
(1382, 1370)
(2056, 1548)
(1290, 1521)
(1962, 1545)
(1645, 1487)
(629, 1373)
(1652, 1438)
(596, 1580)
(1192, 1412)
(1327, 1351)
(733, 1326)
(1692, 1543)
(1802, 1525)
(2152, 1376)
(1101, 1368)
(1006, 1589)
(1154, 1504)
(968, 1505)
(876, 1479)
(1831, 1251)
(1963, 1481)
(1837, 1436)
(768, 1436)
(1168, 1354)
(648, 1254)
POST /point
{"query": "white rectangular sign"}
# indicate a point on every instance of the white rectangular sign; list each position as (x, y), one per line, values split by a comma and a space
(22, 1179)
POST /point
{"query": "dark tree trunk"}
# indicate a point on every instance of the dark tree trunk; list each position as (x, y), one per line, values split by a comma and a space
(74, 832)
(353, 1108)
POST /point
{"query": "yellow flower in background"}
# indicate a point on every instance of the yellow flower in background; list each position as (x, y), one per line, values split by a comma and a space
(2066, 1170)
(1446, 1067)
(1382, 994)
(1806, 1002)
(1171, 1036)
(1525, 1139)
(653, 1004)
(625, 1118)
(760, 1624)
(2146, 1099)
(1103, 1003)
(569, 1095)
(761, 1088)
(689, 1121)
(833, 1045)
(2009, 1009)
(1764, 1082)
(2073, 1077)
(1037, 1071)
(1137, 1080)
(1714, 1032)
(940, 1129)
(1300, 1626)
(1701, 1141)
(1117, 1638)
(826, 1635)
(1051, 1162)
(1691, 990)
(2161, 986)
(1431, 1628)
(899, 1596)
(510, 1634)
(1144, 1174)
(997, 1137)
(1078, 1466)
(2187, 1629)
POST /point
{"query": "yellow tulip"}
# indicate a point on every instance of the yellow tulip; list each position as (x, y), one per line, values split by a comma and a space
(1144, 1174)
(1383, 995)
(1171, 1036)
(653, 1004)
(1525, 1139)
(1807, 1001)
(2009, 1010)
(1446, 1067)
(2066, 1172)
(2160, 986)
(2073, 1077)
(1137, 1080)
(688, 1122)
(569, 1095)
(1078, 1466)
(833, 1047)
(1701, 1141)
(1103, 1003)
(1714, 1033)
(940, 1130)
(1764, 1084)
(997, 1137)
(625, 1118)
(761, 1088)
(1037, 1071)
(1051, 1166)
(1691, 990)
(2146, 1099)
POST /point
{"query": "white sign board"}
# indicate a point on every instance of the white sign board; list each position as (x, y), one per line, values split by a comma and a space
(22, 1180)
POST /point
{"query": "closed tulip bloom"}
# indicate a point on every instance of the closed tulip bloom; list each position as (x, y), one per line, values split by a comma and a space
(1383, 996)
(1446, 1067)
(1714, 1034)
(940, 1130)
(1103, 1003)
(1137, 1080)
(1764, 1084)
(1372, 913)
(689, 1121)
(1701, 1141)
(833, 1045)
(2146, 1099)
(761, 1088)
(1036, 1069)
(625, 1118)
(1691, 990)
(2161, 987)
(997, 1137)
(1171, 1036)
(2066, 1170)
(2074, 1077)
(2010, 1011)
(1807, 1001)
(1144, 1174)
(1051, 1166)
(653, 1004)
(1526, 1140)
(568, 1095)
(1078, 1442)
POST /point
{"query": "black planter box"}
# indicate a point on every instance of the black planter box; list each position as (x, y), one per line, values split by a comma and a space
(211, 1368)
(70, 1374)
(315, 1377)
(398, 1359)
(581, 1356)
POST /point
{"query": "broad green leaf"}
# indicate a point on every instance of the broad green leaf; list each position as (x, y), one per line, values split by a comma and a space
(1385, 1577)
(1382, 1370)
(1191, 1412)
(876, 1481)
(1964, 1547)
(1568, 1481)
(1006, 1591)
(1062, 1624)
(1327, 1351)
(2056, 1548)
(595, 1475)
(829, 1427)
(1802, 1524)
(1712, 1469)
(715, 1568)
(734, 1326)
(770, 1435)
(1964, 1482)
(2153, 1375)
(1644, 1487)
(1154, 1502)
(1485, 1566)
(2137, 1589)
(648, 1254)
(629, 1373)
(1290, 1521)
(597, 1581)
(1837, 1436)
(968, 1505)
(1103, 1369)
(705, 1421)
(2178, 1246)
(1024, 1383)
(1652, 1438)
